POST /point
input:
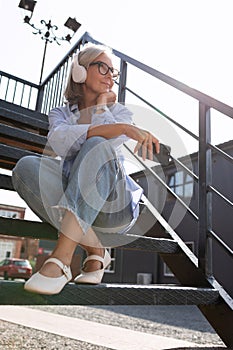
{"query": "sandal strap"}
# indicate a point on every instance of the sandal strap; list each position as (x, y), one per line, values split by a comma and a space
(64, 268)
(94, 257)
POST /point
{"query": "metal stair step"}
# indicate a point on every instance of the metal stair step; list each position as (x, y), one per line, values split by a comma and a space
(12, 292)
(132, 241)
(39, 230)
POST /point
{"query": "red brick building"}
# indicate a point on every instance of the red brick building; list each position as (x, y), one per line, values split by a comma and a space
(16, 247)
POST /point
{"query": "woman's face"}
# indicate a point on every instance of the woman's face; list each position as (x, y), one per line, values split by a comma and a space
(96, 82)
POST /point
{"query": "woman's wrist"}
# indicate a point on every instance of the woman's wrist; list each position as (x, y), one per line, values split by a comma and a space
(125, 129)
(101, 108)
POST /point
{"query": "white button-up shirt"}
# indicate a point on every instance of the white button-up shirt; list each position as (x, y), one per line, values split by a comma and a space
(66, 136)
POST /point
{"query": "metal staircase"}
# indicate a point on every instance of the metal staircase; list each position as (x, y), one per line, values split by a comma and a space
(23, 131)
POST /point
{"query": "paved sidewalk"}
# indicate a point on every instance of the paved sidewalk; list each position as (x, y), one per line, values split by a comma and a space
(112, 337)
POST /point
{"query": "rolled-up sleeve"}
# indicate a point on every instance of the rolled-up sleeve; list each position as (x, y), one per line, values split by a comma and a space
(64, 137)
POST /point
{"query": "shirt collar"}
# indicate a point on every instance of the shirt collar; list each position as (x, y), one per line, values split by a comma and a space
(74, 108)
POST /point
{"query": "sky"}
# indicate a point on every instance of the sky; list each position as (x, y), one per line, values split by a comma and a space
(190, 40)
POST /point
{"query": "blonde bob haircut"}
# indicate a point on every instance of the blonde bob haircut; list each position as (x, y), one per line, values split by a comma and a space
(74, 91)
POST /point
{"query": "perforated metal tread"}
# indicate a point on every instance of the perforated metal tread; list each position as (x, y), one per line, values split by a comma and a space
(24, 228)
(110, 294)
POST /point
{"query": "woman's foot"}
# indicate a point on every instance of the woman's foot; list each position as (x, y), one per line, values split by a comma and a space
(93, 270)
(94, 265)
(44, 284)
(52, 270)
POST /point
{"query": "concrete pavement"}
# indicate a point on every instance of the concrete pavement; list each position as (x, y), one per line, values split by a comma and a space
(113, 337)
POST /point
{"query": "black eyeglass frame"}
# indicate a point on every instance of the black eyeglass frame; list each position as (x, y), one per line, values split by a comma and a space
(113, 70)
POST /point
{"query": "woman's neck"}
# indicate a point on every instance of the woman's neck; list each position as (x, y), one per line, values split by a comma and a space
(89, 100)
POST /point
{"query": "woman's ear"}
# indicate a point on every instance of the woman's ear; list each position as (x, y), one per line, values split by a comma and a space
(79, 73)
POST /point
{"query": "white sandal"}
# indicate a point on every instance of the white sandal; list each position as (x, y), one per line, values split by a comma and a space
(41, 284)
(94, 277)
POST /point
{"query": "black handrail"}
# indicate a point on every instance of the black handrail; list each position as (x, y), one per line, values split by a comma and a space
(20, 80)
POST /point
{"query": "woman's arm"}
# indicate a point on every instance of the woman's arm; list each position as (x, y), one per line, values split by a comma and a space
(144, 138)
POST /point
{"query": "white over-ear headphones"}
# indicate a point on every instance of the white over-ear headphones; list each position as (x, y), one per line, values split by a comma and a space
(79, 73)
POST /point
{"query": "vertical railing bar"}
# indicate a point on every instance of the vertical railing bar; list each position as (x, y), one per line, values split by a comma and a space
(13, 98)
(122, 81)
(29, 97)
(62, 83)
(58, 87)
(64, 80)
(45, 99)
(51, 93)
(205, 196)
(53, 90)
(47, 95)
(7, 86)
(21, 100)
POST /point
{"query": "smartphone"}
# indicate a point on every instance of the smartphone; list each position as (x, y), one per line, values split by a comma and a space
(164, 155)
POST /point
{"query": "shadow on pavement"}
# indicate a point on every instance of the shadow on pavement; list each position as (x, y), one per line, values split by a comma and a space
(188, 316)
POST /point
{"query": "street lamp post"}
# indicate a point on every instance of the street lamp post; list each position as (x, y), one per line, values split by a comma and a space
(47, 31)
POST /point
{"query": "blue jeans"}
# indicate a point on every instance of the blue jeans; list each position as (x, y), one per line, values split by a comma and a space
(94, 191)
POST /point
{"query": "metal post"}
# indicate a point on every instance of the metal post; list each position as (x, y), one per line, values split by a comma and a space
(122, 81)
(43, 60)
(40, 96)
(205, 196)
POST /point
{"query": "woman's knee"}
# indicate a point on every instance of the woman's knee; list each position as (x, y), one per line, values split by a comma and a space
(100, 144)
(97, 149)
(25, 167)
(24, 164)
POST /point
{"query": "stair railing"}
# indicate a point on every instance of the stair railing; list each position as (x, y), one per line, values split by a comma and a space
(18, 91)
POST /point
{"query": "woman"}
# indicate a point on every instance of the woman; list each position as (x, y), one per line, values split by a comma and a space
(88, 191)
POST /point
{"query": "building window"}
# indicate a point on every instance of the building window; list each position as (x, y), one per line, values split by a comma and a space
(6, 249)
(166, 271)
(9, 214)
(181, 184)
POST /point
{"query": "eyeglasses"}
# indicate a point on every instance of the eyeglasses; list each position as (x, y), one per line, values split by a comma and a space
(103, 69)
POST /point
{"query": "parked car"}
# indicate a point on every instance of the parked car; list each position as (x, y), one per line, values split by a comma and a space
(15, 268)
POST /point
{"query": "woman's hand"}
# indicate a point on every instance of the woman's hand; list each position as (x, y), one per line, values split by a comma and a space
(144, 139)
(106, 98)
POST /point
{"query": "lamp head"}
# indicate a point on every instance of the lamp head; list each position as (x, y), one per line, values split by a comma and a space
(27, 5)
(72, 24)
